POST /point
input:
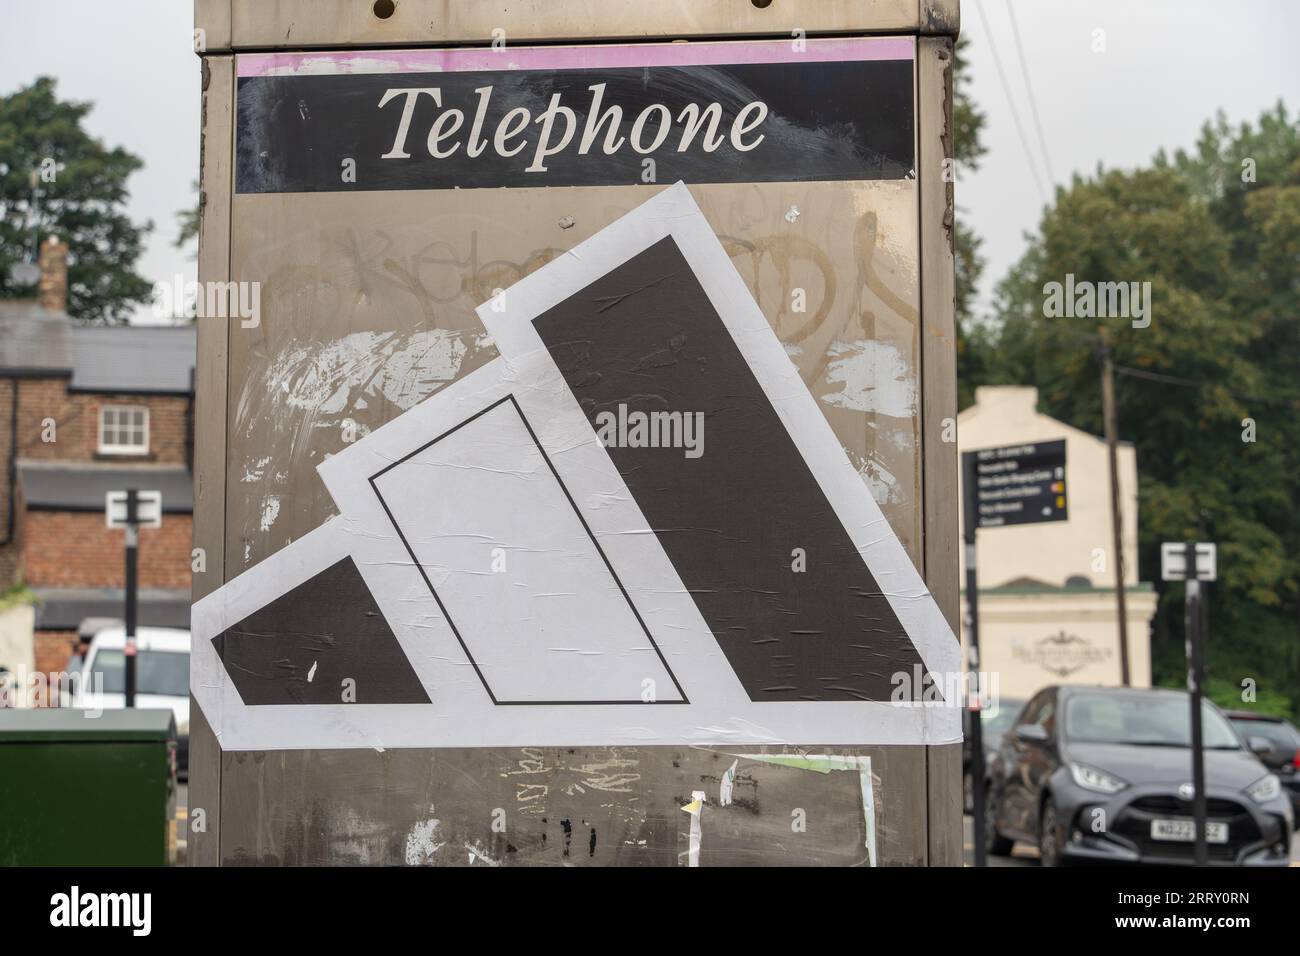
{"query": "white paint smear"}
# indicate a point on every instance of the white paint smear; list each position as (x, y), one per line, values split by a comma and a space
(270, 511)
(421, 844)
(884, 484)
(331, 377)
(874, 377)
(728, 784)
(256, 470)
(308, 387)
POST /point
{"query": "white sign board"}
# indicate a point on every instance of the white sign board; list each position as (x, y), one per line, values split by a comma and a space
(148, 509)
(1173, 561)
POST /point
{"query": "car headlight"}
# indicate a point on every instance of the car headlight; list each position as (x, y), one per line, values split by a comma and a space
(1090, 778)
(1265, 788)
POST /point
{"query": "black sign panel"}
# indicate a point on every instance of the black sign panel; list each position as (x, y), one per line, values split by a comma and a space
(1016, 484)
(304, 644)
(730, 519)
(615, 125)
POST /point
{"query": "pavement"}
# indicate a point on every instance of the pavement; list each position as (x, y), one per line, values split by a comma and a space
(1025, 855)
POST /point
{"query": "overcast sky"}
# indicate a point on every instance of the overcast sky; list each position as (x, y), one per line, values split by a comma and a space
(134, 60)
(1167, 66)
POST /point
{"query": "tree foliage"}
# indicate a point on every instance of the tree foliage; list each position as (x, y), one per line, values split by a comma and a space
(187, 222)
(82, 196)
(968, 148)
(1216, 233)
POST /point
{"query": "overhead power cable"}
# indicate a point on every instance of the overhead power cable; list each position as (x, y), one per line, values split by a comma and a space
(1029, 90)
(1015, 114)
(1200, 383)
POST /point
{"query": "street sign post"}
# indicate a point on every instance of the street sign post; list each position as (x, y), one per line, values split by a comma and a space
(1176, 557)
(148, 509)
(1173, 561)
(1019, 484)
(1011, 485)
(129, 510)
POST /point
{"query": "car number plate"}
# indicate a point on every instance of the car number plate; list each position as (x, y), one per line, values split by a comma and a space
(1184, 831)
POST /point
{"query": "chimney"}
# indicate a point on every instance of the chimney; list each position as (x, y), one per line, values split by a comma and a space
(53, 289)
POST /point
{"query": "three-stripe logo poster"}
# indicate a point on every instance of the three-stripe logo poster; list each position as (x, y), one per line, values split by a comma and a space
(503, 573)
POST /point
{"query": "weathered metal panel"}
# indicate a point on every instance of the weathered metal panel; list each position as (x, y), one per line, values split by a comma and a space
(580, 806)
(368, 307)
(939, 402)
(308, 24)
(216, 180)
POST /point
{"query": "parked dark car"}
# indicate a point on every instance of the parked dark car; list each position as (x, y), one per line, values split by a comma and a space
(1282, 755)
(994, 722)
(1104, 775)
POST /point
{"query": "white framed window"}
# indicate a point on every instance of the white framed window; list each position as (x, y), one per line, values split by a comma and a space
(123, 430)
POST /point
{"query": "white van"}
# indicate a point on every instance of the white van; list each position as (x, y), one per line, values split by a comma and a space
(162, 676)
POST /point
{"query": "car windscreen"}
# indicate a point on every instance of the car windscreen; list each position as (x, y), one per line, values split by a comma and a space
(1276, 733)
(999, 721)
(156, 672)
(1156, 721)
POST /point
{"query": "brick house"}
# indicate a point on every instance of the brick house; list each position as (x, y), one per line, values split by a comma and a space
(83, 411)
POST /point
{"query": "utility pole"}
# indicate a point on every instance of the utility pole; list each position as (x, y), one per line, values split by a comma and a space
(975, 707)
(1037, 471)
(1195, 677)
(129, 510)
(1196, 564)
(132, 552)
(1116, 523)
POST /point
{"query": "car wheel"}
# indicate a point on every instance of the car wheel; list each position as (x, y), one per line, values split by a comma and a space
(1049, 838)
(995, 844)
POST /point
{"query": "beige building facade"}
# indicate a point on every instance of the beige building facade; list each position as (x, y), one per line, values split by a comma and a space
(1047, 596)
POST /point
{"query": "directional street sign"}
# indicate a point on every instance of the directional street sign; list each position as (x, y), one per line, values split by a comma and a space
(131, 510)
(148, 509)
(1017, 484)
(1173, 561)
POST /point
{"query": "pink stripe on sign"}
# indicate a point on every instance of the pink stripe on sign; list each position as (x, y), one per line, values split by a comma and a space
(575, 57)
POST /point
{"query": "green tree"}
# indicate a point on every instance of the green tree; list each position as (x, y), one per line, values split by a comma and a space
(187, 222)
(1249, 176)
(81, 197)
(1209, 394)
(972, 338)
